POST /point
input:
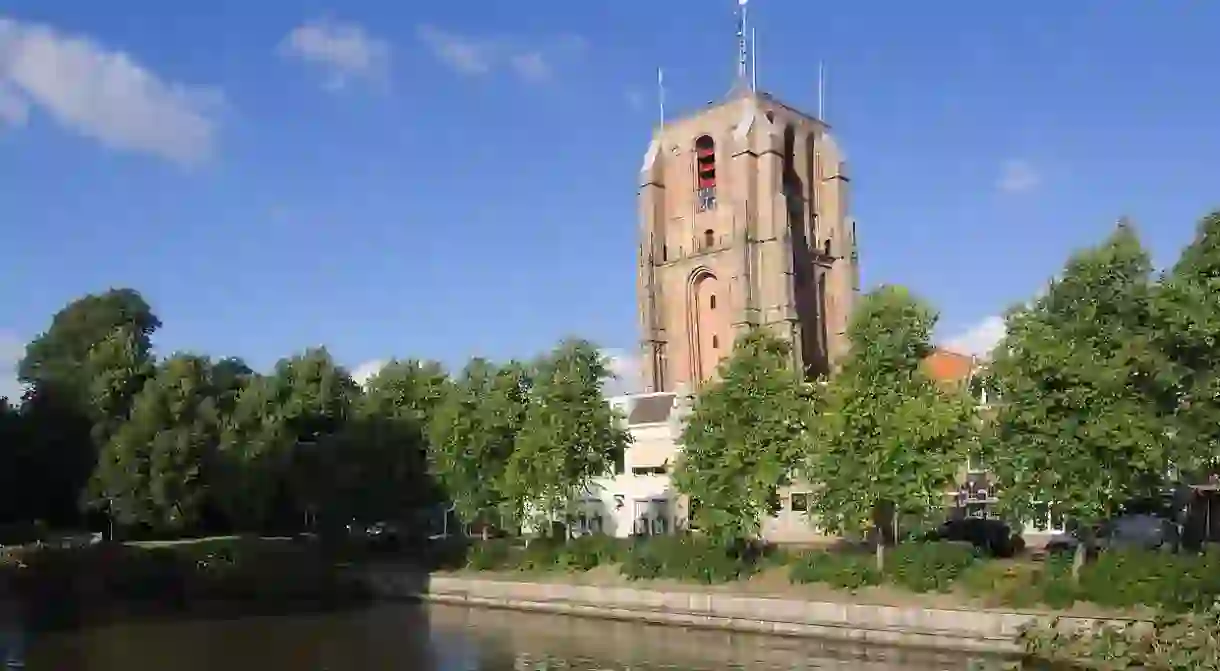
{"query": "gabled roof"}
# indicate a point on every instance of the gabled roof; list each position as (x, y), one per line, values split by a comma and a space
(948, 367)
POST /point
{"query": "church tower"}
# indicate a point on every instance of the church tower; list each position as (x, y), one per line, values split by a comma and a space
(743, 222)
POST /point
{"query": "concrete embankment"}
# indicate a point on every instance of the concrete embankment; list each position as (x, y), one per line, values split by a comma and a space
(943, 629)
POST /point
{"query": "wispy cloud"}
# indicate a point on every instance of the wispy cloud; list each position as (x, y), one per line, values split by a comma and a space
(344, 52)
(367, 371)
(627, 370)
(636, 100)
(102, 94)
(472, 55)
(11, 351)
(980, 339)
(14, 110)
(1018, 176)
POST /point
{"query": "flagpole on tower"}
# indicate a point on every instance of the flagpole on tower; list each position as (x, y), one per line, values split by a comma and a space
(661, 94)
(754, 59)
(743, 50)
(821, 91)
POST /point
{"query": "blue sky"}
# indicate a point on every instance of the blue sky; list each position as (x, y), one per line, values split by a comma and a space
(276, 175)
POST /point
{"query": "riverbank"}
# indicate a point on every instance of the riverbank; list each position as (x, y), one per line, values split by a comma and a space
(52, 588)
(958, 629)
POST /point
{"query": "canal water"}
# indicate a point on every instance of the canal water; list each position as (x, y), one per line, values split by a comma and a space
(441, 638)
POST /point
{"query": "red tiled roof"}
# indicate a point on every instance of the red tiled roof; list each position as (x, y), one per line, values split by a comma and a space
(947, 366)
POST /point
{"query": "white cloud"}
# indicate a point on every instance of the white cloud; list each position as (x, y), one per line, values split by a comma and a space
(367, 370)
(102, 94)
(344, 51)
(1017, 176)
(979, 339)
(478, 56)
(531, 66)
(11, 351)
(468, 56)
(629, 378)
(14, 110)
(636, 100)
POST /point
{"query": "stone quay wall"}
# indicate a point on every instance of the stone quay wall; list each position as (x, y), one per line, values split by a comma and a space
(983, 631)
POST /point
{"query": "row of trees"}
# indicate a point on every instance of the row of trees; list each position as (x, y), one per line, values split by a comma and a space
(1108, 386)
(188, 444)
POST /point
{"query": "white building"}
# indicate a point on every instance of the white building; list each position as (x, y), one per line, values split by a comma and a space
(641, 499)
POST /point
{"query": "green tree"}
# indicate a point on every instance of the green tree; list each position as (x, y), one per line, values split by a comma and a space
(1079, 426)
(58, 357)
(889, 440)
(473, 434)
(570, 435)
(1187, 318)
(277, 448)
(387, 473)
(82, 375)
(744, 438)
(155, 469)
(230, 375)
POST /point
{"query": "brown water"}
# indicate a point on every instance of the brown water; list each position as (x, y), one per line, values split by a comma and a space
(415, 638)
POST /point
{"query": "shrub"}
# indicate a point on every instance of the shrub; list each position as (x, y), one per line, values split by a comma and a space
(545, 554)
(844, 570)
(1190, 641)
(692, 558)
(1173, 582)
(588, 552)
(491, 555)
(927, 567)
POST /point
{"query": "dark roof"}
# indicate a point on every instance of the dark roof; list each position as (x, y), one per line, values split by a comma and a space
(650, 409)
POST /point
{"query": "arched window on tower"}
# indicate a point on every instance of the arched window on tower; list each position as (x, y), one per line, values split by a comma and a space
(709, 239)
(705, 172)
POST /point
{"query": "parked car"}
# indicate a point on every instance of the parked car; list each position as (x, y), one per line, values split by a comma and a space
(1140, 531)
(992, 536)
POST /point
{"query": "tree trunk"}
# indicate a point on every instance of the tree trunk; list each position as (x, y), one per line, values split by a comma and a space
(1078, 558)
(880, 552)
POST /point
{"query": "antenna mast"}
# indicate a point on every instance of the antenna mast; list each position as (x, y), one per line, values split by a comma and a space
(753, 59)
(743, 49)
(821, 92)
(661, 95)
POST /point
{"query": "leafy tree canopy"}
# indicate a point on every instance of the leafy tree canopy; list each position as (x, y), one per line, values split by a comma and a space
(569, 436)
(889, 439)
(1187, 320)
(744, 437)
(154, 471)
(1078, 426)
(474, 432)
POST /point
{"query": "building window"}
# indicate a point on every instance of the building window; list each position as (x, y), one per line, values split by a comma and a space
(715, 342)
(826, 247)
(705, 172)
(800, 502)
(709, 238)
(711, 302)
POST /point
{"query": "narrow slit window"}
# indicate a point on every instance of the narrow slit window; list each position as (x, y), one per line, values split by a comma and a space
(709, 238)
(711, 302)
(715, 342)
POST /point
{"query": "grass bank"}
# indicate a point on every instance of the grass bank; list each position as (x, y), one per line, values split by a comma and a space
(1173, 598)
(933, 575)
(231, 575)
